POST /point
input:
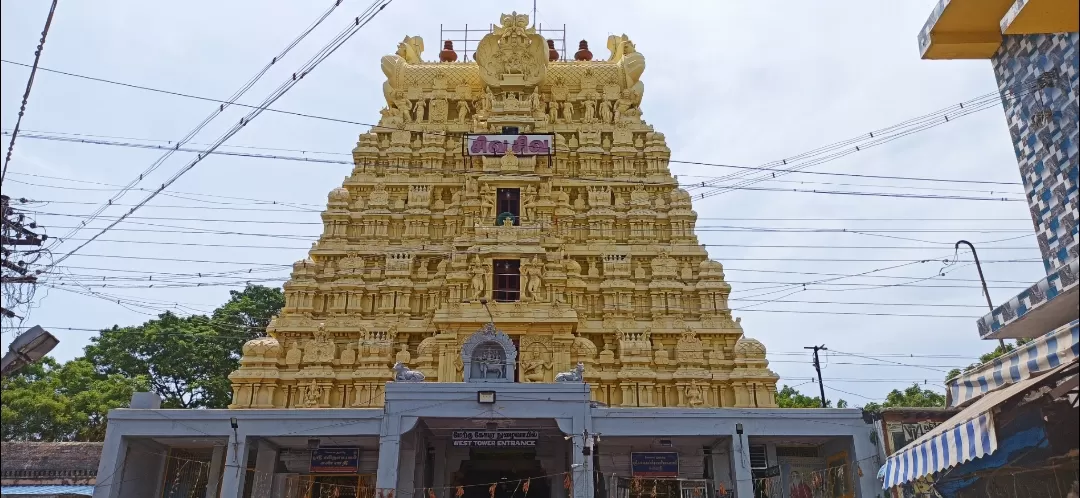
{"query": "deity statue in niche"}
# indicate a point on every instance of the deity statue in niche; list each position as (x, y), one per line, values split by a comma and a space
(605, 112)
(553, 111)
(573, 267)
(479, 278)
(312, 395)
(348, 356)
(420, 109)
(590, 112)
(292, 357)
(403, 107)
(403, 356)
(568, 111)
(533, 367)
(487, 204)
(487, 101)
(462, 111)
(321, 348)
(533, 282)
(694, 395)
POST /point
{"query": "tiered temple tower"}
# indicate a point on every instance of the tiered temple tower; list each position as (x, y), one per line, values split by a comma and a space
(517, 189)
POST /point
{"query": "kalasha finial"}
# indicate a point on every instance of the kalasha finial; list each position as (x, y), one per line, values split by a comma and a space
(583, 53)
(447, 54)
(553, 55)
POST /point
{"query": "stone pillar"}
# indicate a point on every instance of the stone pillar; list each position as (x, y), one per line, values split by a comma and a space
(213, 479)
(741, 475)
(867, 459)
(406, 482)
(232, 478)
(111, 464)
(581, 467)
(389, 453)
(266, 459)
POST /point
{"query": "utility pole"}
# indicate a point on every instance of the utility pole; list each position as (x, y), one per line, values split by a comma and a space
(817, 366)
(19, 249)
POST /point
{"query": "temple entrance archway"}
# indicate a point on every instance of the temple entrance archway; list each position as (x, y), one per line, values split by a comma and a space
(478, 452)
(510, 469)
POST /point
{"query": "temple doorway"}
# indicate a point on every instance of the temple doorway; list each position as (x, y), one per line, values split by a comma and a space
(508, 469)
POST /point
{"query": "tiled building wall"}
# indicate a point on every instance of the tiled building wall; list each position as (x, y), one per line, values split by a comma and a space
(1038, 77)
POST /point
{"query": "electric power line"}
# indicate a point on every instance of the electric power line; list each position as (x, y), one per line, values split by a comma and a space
(59, 137)
(990, 197)
(312, 63)
(870, 136)
(169, 151)
(29, 85)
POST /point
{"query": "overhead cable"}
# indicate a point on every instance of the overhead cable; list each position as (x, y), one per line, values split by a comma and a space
(303, 71)
(29, 85)
(169, 151)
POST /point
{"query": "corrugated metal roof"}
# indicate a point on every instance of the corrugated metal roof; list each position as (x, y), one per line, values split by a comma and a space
(47, 490)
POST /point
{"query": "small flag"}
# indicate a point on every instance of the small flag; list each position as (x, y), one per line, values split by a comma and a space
(460, 492)
(526, 486)
(491, 490)
(431, 493)
(567, 482)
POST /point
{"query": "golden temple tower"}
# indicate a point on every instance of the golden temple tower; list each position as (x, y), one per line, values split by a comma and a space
(520, 190)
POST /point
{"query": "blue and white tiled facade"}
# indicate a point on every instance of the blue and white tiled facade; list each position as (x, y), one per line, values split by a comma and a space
(1037, 77)
(1060, 284)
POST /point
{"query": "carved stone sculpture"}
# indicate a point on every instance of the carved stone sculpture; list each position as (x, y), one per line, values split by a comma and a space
(575, 375)
(603, 244)
(403, 374)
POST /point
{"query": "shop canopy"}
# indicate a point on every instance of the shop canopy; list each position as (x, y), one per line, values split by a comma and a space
(1059, 346)
(47, 490)
(968, 435)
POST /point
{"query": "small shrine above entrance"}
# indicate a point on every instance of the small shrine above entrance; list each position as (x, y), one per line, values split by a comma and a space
(488, 356)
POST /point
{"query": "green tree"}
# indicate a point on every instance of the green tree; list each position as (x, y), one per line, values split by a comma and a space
(789, 397)
(188, 359)
(913, 396)
(47, 401)
(988, 357)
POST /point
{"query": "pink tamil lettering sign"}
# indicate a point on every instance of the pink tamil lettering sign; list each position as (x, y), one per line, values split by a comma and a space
(497, 145)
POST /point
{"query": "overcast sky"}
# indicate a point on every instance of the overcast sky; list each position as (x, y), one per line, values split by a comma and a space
(734, 82)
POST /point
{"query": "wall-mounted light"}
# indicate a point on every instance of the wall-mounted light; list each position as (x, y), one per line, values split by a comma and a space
(485, 397)
(313, 444)
(233, 423)
(738, 428)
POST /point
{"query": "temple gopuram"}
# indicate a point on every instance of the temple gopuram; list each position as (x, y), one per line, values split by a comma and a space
(508, 274)
(521, 193)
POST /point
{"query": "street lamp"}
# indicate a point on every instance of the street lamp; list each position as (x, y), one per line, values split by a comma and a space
(982, 279)
(27, 348)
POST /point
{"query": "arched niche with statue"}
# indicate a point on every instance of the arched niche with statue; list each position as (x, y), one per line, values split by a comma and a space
(488, 356)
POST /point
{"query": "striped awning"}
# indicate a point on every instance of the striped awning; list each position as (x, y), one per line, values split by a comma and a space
(1056, 347)
(47, 490)
(970, 434)
(962, 442)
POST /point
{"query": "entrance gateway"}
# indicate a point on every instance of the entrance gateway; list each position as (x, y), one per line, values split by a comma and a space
(492, 453)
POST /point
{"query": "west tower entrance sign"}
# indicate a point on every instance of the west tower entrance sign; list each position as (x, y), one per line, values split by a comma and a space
(495, 439)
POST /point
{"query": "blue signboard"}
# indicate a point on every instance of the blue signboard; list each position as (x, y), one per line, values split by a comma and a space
(335, 461)
(654, 464)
